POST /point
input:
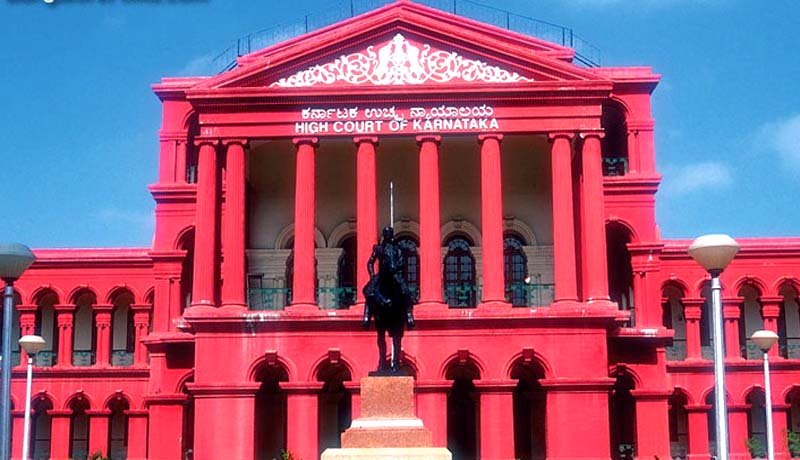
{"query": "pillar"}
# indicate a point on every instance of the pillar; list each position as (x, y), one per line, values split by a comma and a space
(577, 418)
(564, 264)
(432, 407)
(167, 267)
(494, 286)
(730, 315)
(496, 418)
(165, 434)
(98, 430)
(17, 430)
(137, 434)
(206, 218)
(302, 425)
(430, 239)
(215, 410)
(779, 428)
(698, 431)
(737, 430)
(64, 320)
(303, 287)
(141, 327)
(692, 312)
(27, 326)
(366, 210)
(233, 268)
(652, 423)
(770, 311)
(594, 228)
(633, 151)
(102, 315)
(180, 161)
(59, 434)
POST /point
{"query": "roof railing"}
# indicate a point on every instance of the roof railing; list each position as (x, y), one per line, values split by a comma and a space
(339, 10)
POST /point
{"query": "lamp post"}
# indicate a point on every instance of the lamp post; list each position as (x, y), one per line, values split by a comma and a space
(764, 340)
(714, 253)
(14, 260)
(32, 344)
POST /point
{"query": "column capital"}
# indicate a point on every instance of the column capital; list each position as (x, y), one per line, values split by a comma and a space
(243, 142)
(692, 302)
(437, 139)
(143, 307)
(103, 307)
(771, 311)
(732, 301)
(651, 395)
(495, 385)
(599, 134)
(201, 141)
(775, 301)
(692, 313)
(698, 407)
(27, 308)
(370, 139)
(64, 307)
(307, 388)
(731, 312)
(568, 135)
(312, 141)
(232, 389)
(483, 137)
(579, 385)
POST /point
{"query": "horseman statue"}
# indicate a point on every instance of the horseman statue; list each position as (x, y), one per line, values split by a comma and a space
(388, 299)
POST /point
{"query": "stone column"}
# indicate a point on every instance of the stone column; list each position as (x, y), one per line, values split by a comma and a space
(167, 267)
(98, 430)
(594, 228)
(496, 418)
(432, 407)
(216, 408)
(303, 287)
(737, 430)
(180, 161)
(779, 428)
(166, 426)
(731, 311)
(652, 423)
(302, 425)
(59, 434)
(27, 326)
(141, 326)
(102, 321)
(770, 311)
(64, 319)
(564, 264)
(430, 239)
(698, 431)
(17, 430)
(366, 210)
(692, 312)
(206, 222)
(137, 434)
(233, 274)
(494, 286)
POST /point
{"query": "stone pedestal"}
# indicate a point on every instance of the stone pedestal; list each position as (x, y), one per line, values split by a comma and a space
(387, 427)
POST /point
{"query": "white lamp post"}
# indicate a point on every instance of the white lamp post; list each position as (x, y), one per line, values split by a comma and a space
(14, 260)
(32, 344)
(714, 253)
(764, 340)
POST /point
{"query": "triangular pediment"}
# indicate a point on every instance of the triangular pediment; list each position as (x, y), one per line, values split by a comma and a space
(403, 44)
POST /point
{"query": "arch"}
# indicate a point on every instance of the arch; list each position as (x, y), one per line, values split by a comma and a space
(324, 361)
(461, 227)
(406, 227)
(43, 291)
(341, 232)
(675, 283)
(287, 233)
(44, 395)
(185, 235)
(623, 370)
(523, 230)
(701, 285)
(188, 118)
(683, 392)
(786, 281)
(620, 104)
(790, 392)
(79, 291)
(78, 396)
(623, 224)
(149, 295)
(410, 363)
(119, 290)
(462, 358)
(117, 396)
(749, 391)
(268, 360)
(750, 281)
(709, 391)
(528, 357)
(19, 295)
(186, 378)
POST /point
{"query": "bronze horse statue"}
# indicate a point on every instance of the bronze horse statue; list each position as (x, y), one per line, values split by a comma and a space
(388, 299)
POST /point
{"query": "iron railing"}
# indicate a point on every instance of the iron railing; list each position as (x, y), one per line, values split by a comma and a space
(121, 358)
(339, 10)
(45, 359)
(83, 358)
(615, 166)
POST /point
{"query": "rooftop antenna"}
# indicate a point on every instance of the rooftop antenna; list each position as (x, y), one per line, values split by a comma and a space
(391, 204)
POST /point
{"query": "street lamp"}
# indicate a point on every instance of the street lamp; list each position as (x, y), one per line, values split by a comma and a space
(32, 344)
(714, 253)
(14, 260)
(764, 340)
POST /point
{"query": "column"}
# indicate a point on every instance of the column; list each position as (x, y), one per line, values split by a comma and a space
(303, 287)
(737, 430)
(354, 388)
(216, 408)
(594, 235)
(430, 239)
(302, 436)
(64, 320)
(17, 430)
(102, 322)
(698, 431)
(205, 232)
(692, 312)
(141, 326)
(59, 434)
(233, 275)
(730, 315)
(633, 151)
(779, 420)
(137, 434)
(496, 419)
(564, 264)
(98, 430)
(770, 311)
(180, 161)
(652, 423)
(27, 326)
(166, 426)
(494, 286)
(366, 210)
(577, 418)
(431, 405)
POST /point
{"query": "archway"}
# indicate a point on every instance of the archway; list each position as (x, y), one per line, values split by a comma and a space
(530, 415)
(334, 404)
(84, 346)
(409, 246)
(122, 330)
(622, 421)
(459, 272)
(789, 323)
(515, 266)
(45, 326)
(678, 425)
(346, 273)
(79, 428)
(750, 320)
(756, 424)
(673, 318)
(620, 269)
(41, 427)
(270, 413)
(463, 417)
(186, 243)
(615, 142)
(118, 428)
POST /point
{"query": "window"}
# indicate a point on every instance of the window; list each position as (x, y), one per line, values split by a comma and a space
(408, 246)
(459, 273)
(79, 430)
(346, 273)
(515, 265)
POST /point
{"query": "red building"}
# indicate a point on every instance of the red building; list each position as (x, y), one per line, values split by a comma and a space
(553, 320)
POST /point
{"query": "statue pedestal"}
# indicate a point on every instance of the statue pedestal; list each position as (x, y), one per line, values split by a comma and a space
(387, 427)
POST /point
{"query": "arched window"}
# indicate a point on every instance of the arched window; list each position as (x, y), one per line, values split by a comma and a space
(620, 270)
(463, 417)
(84, 351)
(118, 430)
(615, 142)
(41, 425)
(622, 408)
(459, 273)
(79, 429)
(334, 405)
(673, 318)
(270, 413)
(187, 268)
(711, 421)
(122, 330)
(789, 323)
(678, 425)
(346, 273)
(750, 320)
(756, 425)
(45, 326)
(409, 247)
(515, 266)
(530, 401)
(706, 326)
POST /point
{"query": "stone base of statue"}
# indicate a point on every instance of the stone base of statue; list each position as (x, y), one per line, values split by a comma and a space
(387, 427)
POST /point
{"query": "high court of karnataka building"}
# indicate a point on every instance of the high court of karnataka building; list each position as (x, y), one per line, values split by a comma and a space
(553, 321)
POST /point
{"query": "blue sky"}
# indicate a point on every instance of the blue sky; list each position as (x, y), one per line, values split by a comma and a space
(79, 121)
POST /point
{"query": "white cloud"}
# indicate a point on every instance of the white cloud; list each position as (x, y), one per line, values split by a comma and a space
(783, 137)
(705, 175)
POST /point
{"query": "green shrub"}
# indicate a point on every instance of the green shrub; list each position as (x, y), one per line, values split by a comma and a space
(757, 450)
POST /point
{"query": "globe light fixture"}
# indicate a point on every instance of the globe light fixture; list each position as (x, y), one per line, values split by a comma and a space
(15, 258)
(765, 340)
(714, 253)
